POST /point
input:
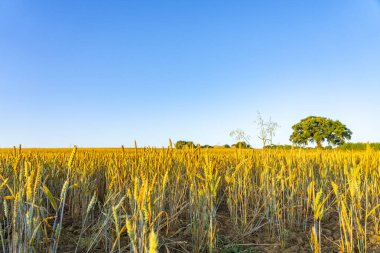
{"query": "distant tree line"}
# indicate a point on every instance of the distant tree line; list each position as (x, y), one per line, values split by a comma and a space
(346, 146)
(310, 130)
(189, 144)
(286, 146)
(359, 146)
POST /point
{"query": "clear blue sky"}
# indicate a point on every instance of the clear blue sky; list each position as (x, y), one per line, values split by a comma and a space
(106, 73)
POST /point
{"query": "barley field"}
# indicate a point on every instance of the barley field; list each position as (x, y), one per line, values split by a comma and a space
(189, 200)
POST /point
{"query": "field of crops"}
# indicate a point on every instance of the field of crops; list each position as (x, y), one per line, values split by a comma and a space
(190, 200)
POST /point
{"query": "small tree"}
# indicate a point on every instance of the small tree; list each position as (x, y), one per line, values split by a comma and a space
(267, 130)
(184, 144)
(319, 129)
(240, 136)
(271, 129)
(241, 144)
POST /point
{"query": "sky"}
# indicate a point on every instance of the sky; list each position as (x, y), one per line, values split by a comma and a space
(107, 73)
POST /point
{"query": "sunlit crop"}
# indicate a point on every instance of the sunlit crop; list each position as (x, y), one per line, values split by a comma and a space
(188, 200)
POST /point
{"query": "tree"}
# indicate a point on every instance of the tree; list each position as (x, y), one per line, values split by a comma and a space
(184, 144)
(240, 136)
(267, 130)
(263, 135)
(315, 129)
(241, 144)
(271, 129)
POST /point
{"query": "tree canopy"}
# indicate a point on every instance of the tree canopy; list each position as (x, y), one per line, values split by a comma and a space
(184, 144)
(315, 129)
(241, 144)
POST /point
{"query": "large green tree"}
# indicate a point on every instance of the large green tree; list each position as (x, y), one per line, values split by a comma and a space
(319, 129)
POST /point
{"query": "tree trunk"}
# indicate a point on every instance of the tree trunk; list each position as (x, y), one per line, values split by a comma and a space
(319, 144)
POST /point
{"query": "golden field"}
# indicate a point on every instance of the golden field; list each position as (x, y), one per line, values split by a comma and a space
(189, 200)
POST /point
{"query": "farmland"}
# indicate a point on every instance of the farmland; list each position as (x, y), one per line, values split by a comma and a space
(189, 200)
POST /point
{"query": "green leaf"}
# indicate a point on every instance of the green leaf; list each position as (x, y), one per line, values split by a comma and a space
(50, 197)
